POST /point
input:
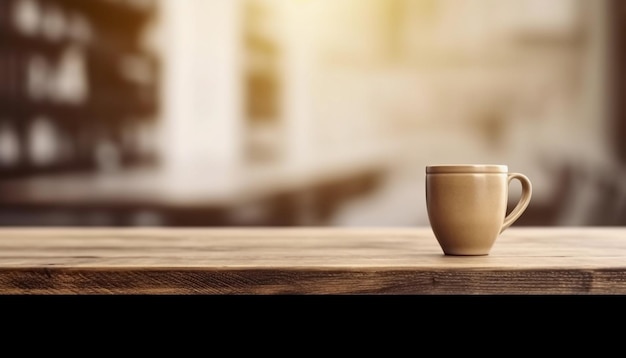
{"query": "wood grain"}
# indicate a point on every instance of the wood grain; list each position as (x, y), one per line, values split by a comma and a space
(306, 261)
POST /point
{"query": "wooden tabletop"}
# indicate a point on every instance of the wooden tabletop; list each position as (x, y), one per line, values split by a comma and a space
(199, 185)
(524, 260)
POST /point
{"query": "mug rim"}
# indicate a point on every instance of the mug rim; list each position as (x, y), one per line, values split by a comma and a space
(466, 168)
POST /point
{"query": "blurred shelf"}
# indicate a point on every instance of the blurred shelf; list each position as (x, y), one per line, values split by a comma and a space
(81, 68)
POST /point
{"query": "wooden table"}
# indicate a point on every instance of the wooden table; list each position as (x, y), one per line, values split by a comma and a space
(524, 260)
(275, 194)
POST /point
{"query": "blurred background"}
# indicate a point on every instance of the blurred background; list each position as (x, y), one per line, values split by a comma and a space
(305, 112)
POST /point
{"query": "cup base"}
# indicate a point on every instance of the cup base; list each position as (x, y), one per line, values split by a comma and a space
(464, 254)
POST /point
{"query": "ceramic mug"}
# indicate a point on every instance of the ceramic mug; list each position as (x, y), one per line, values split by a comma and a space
(467, 205)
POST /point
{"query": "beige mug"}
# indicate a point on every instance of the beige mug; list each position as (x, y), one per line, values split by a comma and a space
(467, 205)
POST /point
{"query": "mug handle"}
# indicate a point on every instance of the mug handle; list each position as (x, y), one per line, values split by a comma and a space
(523, 202)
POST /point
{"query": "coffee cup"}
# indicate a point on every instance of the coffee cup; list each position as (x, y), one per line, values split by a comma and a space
(467, 205)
